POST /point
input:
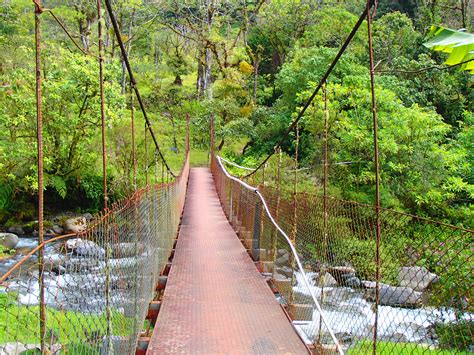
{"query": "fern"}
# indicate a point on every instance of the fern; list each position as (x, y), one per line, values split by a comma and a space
(6, 192)
(57, 183)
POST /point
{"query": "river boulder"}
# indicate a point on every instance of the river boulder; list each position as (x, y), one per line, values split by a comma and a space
(75, 225)
(126, 250)
(18, 230)
(57, 230)
(8, 240)
(84, 247)
(416, 277)
(395, 296)
(325, 280)
(345, 276)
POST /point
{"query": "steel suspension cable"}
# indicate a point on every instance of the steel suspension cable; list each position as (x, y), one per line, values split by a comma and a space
(133, 82)
(331, 67)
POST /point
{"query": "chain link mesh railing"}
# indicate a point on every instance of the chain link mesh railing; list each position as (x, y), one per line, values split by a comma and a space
(254, 220)
(97, 284)
(424, 285)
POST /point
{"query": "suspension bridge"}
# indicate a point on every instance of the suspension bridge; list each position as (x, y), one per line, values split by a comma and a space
(210, 263)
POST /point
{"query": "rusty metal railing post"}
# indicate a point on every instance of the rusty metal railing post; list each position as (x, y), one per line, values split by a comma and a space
(187, 145)
(156, 168)
(294, 230)
(102, 102)
(377, 175)
(108, 314)
(295, 188)
(146, 156)
(277, 212)
(212, 137)
(322, 271)
(256, 231)
(134, 153)
(39, 122)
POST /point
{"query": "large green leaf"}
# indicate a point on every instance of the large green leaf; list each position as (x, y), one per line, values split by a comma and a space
(459, 45)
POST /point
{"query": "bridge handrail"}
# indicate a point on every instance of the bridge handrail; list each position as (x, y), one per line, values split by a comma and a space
(291, 246)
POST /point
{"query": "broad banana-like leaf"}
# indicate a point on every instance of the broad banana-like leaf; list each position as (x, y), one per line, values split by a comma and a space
(459, 45)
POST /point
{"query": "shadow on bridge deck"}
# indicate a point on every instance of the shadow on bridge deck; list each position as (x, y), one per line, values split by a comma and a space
(215, 301)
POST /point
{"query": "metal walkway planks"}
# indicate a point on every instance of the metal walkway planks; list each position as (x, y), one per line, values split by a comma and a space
(215, 301)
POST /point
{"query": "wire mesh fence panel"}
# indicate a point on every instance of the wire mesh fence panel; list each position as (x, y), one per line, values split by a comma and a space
(98, 283)
(253, 219)
(424, 284)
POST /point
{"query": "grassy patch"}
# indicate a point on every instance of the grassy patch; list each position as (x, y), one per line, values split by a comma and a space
(21, 324)
(388, 348)
(5, 252)
(199, 157)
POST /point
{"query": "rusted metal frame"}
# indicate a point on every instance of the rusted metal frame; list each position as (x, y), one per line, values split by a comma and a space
(162, 172)
(146, 155)
(212, 136)
(343, 48)
(294, 229)
(104, 181)
(133, 82)
(156, 168)
(188, 121)
(322, 272)
(295, 186)
(102, 103)
(377, 175)
(134, 152)
(39, 138)
(277, 212)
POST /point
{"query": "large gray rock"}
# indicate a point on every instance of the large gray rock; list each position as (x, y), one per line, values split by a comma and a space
(286, 271)
(19, 348)
(18, 230)
(345, 276)
(395, 296)
(327, 280)
(75, 225)
(87, 216)
(282, 261)
(57, 230)
(85, 248)
(8, 240)
(125, 250)
(416, 277)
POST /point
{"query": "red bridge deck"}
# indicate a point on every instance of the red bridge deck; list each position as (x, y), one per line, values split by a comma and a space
(215, 301)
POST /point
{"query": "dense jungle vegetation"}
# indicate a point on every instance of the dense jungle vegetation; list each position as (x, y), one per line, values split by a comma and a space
(253, 64)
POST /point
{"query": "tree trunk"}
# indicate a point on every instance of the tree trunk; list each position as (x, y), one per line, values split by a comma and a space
(207, 87)
(200, 77)
(208, 61)
(221, 144)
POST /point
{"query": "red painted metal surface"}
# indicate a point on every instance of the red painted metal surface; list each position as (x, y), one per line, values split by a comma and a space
(215, 301)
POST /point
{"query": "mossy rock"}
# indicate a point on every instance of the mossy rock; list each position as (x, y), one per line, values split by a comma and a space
(12, 222)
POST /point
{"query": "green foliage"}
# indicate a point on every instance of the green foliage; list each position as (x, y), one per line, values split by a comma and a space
(387, 347)
(58, 183)
(69, 327)
(6, 192)
(459, 45)
(5, 252)
(456, 335)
